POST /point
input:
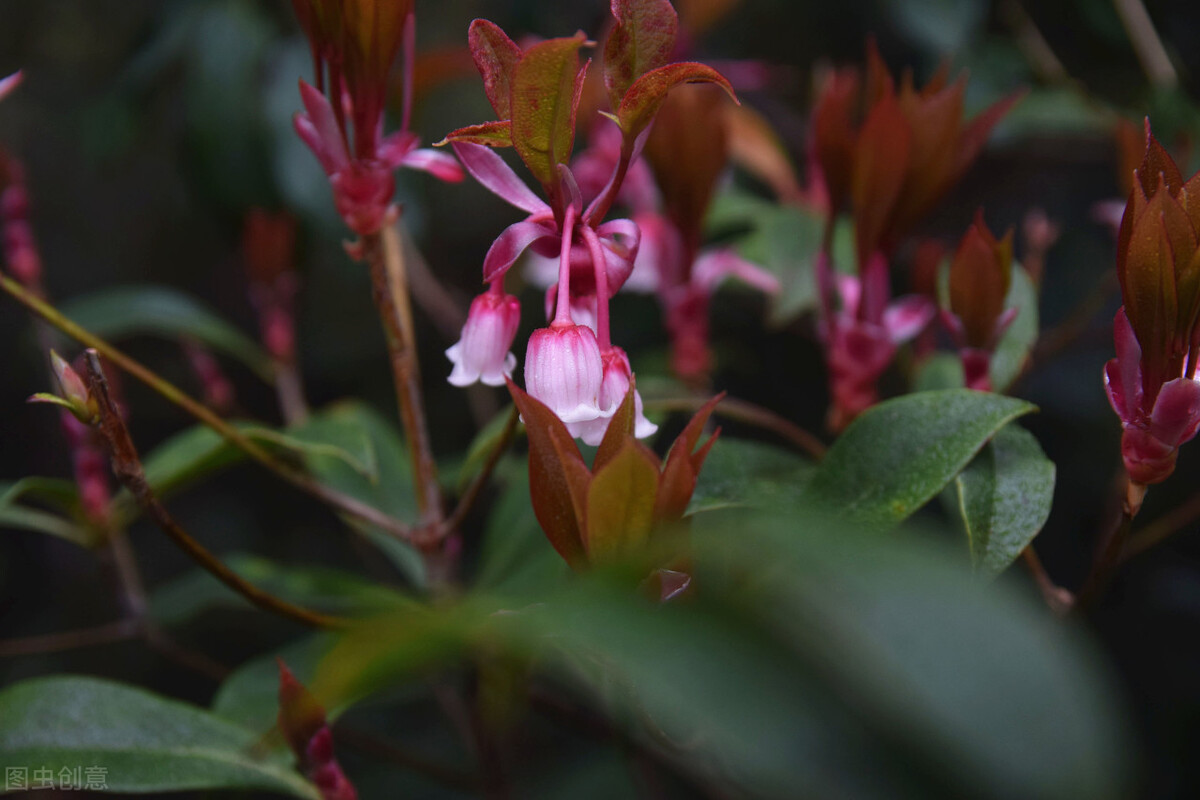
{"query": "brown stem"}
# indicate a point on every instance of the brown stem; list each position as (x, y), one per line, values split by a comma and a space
(389, 289)
(128, 469)
(289, 389)
(119, 631)
(1109, 550)
(231, 434)
(751, 414)
(1057, 598)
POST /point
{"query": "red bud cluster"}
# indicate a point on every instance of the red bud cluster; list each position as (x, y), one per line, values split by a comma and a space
(1151, 381)
(911, 146)
(980, 275)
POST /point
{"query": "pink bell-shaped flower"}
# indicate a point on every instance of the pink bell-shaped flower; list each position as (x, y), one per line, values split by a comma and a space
(613, 388)
(482, 353)
(563, 369)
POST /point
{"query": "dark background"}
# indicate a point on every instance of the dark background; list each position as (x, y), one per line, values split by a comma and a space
(149, 128)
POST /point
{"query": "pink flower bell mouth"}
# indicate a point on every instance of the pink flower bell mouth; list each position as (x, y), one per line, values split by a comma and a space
(563, 369)
(483, 351)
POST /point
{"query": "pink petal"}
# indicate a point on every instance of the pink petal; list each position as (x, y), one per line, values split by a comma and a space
(393, 149)
(907, 317)
(1176, 414)
(509, 245)
(1129, 364)
(10, 83)
(325, 125)
(714, 266)
(440, 165)
(497, 177)
(621, 239)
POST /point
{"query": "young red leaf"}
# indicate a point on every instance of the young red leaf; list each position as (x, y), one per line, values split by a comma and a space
(642, 39)
(558, 478)
(621, 502)
(683, 466)
(496, 58)
(620, 429)
(640, 103)
(546, 86)
(300, 713)
(975, 135)
(489, 134)
(881, 158)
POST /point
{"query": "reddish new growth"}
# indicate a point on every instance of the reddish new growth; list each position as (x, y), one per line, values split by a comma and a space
(1151, 383)
(302, 723)
(572, 366)
(890, 155)
(354, 43)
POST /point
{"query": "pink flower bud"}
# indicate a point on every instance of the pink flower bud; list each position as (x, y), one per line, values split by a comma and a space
(563, 369)
(482, 354)
(613, 388)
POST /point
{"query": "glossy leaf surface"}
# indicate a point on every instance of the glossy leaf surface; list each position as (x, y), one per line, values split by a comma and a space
(1003, 498)
(899, 454)
(146, 743)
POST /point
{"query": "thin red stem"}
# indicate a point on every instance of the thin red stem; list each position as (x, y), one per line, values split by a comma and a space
(562, 311)
(603, 333)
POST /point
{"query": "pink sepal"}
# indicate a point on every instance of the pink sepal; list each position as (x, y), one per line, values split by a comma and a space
(907, 317)
(509, 245)
(714, 266)
(1176, 414)
(497, 177)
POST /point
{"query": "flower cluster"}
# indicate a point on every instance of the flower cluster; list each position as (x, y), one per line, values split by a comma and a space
(1151, 383)
(572, 365)
(354, 43)
(910, 148)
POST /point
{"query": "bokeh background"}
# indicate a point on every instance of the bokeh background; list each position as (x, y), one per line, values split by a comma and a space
(148, 128)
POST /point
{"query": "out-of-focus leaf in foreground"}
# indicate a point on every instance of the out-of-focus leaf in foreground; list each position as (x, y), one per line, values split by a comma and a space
(804, 662)
(145, 743)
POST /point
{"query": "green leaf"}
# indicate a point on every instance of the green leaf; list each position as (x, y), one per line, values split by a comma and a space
(145, 743)
(940, 371)
(741, 472)
(496, 58)
(546, 87)
(351, 427)
(58, 493)
(1013, 348)
(483, 445)
(325, 589)
(792, 238)
(1004, 498)
(488, 134)
(642, 39)
(797, 641)
(198, 452)
(620, 503)
(159, 311)
(515, 556)
(899, 454)
(646, 95)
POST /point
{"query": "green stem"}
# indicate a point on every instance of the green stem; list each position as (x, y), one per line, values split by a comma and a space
(173, 394)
